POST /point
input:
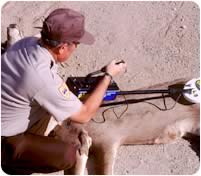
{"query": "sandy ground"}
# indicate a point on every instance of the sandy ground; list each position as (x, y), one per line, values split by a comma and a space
(158, 40)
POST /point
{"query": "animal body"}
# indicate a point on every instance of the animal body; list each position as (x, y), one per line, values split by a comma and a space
(145, 122)
(154, 121)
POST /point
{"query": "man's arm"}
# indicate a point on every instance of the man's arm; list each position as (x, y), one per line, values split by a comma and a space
(93, 102)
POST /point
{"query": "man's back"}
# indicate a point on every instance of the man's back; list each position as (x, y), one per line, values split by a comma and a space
(23, 69)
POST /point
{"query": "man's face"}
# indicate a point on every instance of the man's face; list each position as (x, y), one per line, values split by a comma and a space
(65, 52)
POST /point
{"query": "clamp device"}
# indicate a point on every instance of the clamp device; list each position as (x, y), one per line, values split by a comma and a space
(194, 95)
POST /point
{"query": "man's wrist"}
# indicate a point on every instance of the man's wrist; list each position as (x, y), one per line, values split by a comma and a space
(108, 75)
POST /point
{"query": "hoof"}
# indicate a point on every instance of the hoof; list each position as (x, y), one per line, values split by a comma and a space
(86, 143)
(13, 34)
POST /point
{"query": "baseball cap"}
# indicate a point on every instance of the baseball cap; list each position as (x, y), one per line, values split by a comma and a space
(66, 25)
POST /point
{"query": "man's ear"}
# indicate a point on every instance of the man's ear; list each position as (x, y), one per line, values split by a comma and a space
(61, 49)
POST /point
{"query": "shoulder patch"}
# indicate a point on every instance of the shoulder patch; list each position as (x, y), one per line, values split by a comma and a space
(63, 89)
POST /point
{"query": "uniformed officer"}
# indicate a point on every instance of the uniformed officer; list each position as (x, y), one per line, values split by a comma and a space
(31, 90)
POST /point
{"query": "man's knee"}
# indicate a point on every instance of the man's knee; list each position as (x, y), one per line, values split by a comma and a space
(69, 158)
(12, 148)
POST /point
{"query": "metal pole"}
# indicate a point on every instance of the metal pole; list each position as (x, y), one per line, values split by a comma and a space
(157, 91)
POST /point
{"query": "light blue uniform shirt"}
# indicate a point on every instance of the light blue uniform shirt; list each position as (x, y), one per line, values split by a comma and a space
(31, 87)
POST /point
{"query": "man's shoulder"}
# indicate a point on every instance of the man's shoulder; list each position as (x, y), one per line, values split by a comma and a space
(24, 42)
(33, 61)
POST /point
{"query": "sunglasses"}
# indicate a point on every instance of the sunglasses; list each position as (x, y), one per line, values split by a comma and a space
(76, 43)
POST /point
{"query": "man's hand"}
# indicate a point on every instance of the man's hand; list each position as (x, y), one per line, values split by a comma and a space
(114, 69)
(95, 99)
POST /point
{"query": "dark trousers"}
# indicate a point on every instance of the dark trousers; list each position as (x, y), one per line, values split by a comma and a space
(31, 152)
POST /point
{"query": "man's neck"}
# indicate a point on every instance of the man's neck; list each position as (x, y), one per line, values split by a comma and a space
(50, 50)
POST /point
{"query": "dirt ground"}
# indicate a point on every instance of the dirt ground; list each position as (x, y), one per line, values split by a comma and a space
(158, 40)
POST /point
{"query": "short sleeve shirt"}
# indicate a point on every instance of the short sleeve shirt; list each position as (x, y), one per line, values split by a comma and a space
(31, 87)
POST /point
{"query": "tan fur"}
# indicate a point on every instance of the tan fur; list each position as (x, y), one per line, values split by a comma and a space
(143, 123)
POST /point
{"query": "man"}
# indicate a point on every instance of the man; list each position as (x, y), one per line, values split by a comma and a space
(31, 90)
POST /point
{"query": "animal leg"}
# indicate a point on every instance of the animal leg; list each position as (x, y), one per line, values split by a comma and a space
(109, 160)
(82, 154)
(178, 129)
(13, 34)
(102, 159)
